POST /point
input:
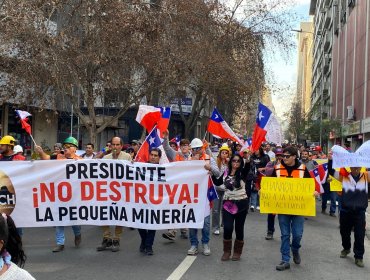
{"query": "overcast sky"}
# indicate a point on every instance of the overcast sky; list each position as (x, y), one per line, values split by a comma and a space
(285, 72)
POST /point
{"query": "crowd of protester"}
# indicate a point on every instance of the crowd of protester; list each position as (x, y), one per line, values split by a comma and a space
(236, 172)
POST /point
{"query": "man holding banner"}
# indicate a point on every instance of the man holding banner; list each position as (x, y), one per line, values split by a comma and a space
(353, 209)
(70, 146)
(109, 242)
(290, 167)
(147, 235)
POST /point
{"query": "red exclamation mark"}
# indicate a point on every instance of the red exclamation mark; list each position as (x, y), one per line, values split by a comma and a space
(35, 198)
(195, 193)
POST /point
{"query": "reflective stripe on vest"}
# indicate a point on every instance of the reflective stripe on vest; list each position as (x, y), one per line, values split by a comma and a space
(205, 157)
(281, 171)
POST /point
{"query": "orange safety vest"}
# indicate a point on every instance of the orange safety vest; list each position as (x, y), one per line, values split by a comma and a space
(179, 157)
(281, 171)
(205, 157)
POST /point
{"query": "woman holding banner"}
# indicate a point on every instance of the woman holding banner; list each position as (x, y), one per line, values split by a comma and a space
(235, 207)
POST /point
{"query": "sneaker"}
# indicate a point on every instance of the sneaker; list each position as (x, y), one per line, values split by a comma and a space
(296, 257)
(283, 266)
(183, 235)
(206, 250)
(193, 250)
(149, 251)
(58, 248)
(77, 240)
(269, 236)
(105, 245)
(344, 253)
(216, 232)
(252, 208)
(323, 211)
(258, 208)
(168, 235)
(359, 262)
(332, 215)
(115, 246)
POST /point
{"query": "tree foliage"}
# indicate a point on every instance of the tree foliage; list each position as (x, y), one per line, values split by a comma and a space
(113, 53)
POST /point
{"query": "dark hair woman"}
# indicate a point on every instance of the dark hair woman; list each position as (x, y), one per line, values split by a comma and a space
(11, 251)
(235, 207)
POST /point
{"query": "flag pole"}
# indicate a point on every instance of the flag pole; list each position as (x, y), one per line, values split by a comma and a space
(33, 139)
(205, 134)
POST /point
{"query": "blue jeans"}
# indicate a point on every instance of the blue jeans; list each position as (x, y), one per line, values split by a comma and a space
(147, 237)
(59, 233)
(290, 224)
(255, 199)
(271, 223)
(329, 195)
(193, 233)
(216, 211)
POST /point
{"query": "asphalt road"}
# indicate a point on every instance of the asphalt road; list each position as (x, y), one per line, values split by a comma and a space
(320, 251)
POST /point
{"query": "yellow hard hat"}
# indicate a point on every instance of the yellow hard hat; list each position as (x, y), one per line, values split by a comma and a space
(224, 147)
(7, 140)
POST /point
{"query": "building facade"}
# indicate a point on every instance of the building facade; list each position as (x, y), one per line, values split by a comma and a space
(322, 11)
(304, 69)
(342, 27)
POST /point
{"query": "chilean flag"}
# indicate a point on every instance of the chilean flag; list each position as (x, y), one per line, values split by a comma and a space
(164, 120)
(148, 116)
(23, 116)
(211, 195)
(246, 145)
(218, 127)
(319, 174)
(323, 171)
(176, 139)
(267, 128)
(151, 141)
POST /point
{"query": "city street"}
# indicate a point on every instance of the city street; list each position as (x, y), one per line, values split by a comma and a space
(320, 256)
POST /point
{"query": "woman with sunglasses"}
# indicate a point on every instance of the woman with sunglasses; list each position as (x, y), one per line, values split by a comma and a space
(222, 163)
(235, 207)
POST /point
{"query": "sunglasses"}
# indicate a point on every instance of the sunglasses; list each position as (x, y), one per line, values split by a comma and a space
(236, 160)
(67, 146)
(286, 156)
(196, 149)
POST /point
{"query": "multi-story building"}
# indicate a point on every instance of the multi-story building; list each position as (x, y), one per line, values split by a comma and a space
(305, 60)
(322, 10)
(350, 94)
(346, 35)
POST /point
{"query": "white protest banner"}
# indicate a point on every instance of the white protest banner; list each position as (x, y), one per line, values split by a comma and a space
(104, 192)
(343, 158)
